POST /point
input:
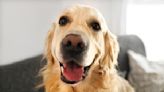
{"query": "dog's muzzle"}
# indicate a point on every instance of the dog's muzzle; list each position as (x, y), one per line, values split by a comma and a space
(73, 49)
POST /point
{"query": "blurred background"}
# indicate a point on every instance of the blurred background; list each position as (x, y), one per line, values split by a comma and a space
(24, 24)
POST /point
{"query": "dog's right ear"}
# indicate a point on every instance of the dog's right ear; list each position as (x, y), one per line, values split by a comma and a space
(48, 44)
(111, 49)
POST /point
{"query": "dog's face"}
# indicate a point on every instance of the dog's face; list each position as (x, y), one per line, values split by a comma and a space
(76, 39)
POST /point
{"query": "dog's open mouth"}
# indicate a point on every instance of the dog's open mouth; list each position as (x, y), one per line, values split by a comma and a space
(72, 73)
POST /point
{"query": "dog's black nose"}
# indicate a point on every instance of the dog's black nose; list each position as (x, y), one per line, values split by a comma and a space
(73, 45)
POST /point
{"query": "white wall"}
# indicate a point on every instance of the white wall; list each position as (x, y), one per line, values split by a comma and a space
(0, 33)
(147, 21)
(24, 24)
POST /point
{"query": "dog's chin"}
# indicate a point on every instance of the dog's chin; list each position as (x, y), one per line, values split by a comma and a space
(72, 73)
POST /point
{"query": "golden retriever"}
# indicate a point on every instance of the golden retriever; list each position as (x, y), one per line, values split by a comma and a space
(81, 54)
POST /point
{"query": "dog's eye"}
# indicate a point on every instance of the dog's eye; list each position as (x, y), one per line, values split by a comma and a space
(63, 20)
(95, 26)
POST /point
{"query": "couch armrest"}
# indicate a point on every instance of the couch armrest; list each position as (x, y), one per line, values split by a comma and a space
(127, 42)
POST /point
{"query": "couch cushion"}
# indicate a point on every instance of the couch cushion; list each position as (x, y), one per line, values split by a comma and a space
(146, 76)
(21, 76)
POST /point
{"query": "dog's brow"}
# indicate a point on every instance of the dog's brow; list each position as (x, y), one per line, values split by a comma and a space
(67, 15)
(93, 19)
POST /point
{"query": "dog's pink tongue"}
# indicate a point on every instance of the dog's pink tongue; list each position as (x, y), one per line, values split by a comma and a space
(73, 72)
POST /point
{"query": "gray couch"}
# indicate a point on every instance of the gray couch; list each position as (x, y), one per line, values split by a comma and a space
(23, 75)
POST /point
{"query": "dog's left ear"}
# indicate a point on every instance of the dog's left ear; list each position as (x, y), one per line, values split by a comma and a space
(48, 44)
(111, 49)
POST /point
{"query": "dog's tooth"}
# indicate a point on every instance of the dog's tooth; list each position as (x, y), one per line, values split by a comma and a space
(83, 75)
(62, 69)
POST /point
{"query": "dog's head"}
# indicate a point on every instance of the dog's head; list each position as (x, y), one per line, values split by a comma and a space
(77, 38)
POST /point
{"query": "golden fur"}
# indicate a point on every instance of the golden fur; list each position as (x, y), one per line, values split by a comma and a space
(102, 75)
